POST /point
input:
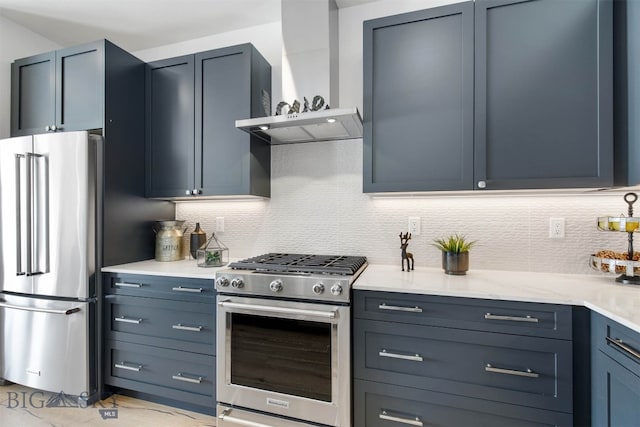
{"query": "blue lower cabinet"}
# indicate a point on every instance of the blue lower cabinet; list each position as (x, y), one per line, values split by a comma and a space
(615, 373)
(160, 339)
(423, 360)
(384, 405)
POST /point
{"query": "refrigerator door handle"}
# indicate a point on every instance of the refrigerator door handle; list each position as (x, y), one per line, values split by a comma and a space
(37, 195)
(19, 270)
(40, 310)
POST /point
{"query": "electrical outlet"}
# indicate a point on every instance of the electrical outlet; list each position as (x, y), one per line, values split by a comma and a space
(556, 228)
(219, 224)
(414, 225)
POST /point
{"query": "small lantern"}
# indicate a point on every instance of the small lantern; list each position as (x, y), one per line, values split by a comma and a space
(213, 253)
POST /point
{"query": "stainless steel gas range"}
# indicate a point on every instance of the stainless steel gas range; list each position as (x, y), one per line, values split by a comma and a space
(283, 339)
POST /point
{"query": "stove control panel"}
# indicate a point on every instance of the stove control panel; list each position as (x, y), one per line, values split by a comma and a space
(303, 287)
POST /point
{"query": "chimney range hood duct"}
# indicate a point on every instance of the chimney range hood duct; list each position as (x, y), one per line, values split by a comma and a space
(309, 68)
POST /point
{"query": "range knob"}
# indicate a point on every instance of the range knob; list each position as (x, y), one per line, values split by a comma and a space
(336, 289)
(318, 288)
(276, 285)
(222, 282)
(237, 282)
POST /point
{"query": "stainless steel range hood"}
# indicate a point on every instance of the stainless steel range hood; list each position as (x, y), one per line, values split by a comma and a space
(309, 68)
(323, 125)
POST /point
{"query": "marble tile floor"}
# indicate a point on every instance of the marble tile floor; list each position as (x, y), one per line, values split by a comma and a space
(25, 407)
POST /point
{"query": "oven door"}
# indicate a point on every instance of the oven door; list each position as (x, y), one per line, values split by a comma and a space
(285, 358)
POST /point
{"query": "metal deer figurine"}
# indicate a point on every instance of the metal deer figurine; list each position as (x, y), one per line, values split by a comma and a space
(404, 242)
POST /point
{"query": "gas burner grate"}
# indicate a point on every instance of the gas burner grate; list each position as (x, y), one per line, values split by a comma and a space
(300, 263)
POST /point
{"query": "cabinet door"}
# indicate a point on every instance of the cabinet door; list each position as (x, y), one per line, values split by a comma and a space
(32, 94)
(169, 127)
(616, 393)
(543, 81)
(418, 100)
(228, 161)
(80, 87)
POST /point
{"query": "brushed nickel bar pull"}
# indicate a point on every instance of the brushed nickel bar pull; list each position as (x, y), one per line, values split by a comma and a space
(413, 358)
(224, 416)
(181, 377)
(415, 309)
(530, 319)
(125, 320)
(624, 347)
(127, 285)
(384, 415)
(123, 365)
(182, 327)
(185, 289)
(528, 373)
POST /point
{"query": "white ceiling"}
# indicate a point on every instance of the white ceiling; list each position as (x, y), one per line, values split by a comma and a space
(141, 24)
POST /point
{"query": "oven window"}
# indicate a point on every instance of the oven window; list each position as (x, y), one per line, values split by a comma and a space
(281, 355)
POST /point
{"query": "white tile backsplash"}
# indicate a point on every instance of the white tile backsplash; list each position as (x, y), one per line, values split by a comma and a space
(317, 206)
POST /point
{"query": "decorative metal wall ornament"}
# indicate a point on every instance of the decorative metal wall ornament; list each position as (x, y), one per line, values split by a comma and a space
(316, 104)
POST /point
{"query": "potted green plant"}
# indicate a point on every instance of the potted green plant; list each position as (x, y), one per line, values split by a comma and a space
(455, 253)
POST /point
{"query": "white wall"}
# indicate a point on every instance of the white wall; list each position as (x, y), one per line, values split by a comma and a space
(317, 204)
(15, 42)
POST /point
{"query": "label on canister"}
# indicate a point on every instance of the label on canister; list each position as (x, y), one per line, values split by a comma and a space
(168, 248)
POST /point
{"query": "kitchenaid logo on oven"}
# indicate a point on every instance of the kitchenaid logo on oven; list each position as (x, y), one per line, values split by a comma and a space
(277, 402)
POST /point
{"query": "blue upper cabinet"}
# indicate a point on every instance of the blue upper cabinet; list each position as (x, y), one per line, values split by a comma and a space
(59, 90)
(543, 94)
(418, 100)
(491, 94)
(193, 148)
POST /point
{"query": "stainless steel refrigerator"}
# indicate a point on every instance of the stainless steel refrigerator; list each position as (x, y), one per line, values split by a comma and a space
(51, 192)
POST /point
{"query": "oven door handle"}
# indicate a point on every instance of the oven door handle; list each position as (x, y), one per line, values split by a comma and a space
(278, 310)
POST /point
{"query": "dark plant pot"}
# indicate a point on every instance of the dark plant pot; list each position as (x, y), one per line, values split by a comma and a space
(455, 263)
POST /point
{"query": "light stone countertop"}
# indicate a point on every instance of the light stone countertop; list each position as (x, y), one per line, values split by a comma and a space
(598, 292)
(183, 268)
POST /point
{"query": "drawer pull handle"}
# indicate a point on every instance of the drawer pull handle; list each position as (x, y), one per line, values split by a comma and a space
(127, 285)
(184, 289)
(415, 309)
(413, 358)
(528, 373)
(181, 377)
(182, 327)
(529, 319)
(123, 365)
(125, 320)
(624, 347)
(224, 416)
(384, 415)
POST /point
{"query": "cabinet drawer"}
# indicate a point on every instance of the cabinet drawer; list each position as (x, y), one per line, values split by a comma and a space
(383, 405)
(178, 375)
(531, 371)
(543, 320)
(172, 324)
(174, 288)
(616, 341)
